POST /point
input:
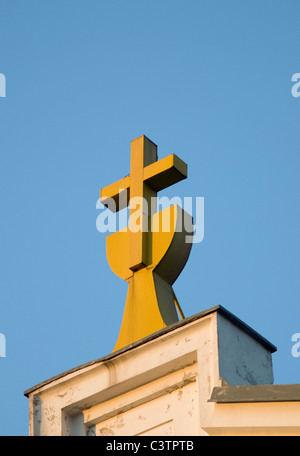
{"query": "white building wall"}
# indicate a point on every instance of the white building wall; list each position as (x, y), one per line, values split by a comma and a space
(163, 385)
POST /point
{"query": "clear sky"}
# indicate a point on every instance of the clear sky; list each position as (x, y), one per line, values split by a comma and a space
(207, 80)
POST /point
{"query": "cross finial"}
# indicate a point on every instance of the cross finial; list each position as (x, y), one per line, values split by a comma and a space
(136, 255)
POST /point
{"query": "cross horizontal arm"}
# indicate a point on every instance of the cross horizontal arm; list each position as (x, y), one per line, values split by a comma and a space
(113, 191)
(165, 172)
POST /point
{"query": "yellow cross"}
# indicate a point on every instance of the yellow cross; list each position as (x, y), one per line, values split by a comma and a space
(147, 177)
(149, 260)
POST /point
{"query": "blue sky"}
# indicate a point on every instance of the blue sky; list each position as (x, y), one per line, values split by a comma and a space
(207, 80)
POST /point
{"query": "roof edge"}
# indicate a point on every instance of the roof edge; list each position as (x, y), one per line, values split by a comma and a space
(262, 340)
(220, 309)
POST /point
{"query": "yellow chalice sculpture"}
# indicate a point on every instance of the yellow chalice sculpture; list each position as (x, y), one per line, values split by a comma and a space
(150, 254)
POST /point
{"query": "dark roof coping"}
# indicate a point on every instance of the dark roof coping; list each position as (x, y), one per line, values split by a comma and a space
(255, 393)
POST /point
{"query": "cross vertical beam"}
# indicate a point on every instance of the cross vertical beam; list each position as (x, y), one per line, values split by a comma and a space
(143, 154)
